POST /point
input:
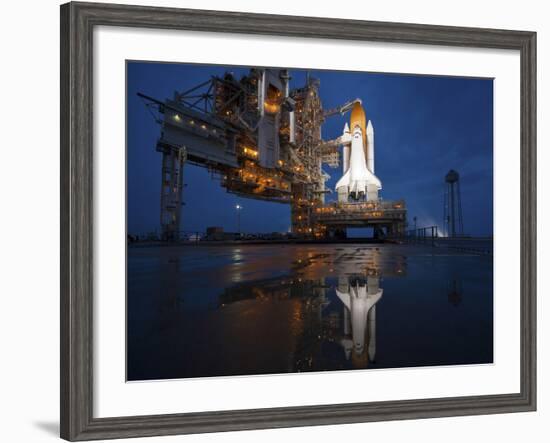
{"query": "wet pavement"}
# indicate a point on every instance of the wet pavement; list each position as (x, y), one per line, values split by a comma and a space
(198, 311)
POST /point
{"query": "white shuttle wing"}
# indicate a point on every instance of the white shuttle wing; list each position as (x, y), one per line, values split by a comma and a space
(344, 298)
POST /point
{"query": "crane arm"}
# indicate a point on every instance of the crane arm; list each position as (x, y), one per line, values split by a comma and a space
(341, 109)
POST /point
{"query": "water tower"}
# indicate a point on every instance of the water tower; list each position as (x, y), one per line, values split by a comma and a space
(452, 205)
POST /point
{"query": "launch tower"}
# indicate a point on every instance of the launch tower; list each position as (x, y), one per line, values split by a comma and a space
(262, 140)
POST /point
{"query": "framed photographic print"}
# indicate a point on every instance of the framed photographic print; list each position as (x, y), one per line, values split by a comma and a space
(272, 221)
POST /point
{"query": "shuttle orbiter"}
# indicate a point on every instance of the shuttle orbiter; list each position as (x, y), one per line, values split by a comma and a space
(358, 180)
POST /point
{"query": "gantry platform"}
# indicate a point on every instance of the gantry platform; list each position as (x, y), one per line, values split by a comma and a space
(388, 218)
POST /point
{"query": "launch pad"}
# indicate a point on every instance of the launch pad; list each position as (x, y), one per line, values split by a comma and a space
(263, 140)
(387, 218)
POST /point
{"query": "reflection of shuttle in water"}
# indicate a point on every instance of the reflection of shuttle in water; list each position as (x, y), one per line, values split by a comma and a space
(359, 297)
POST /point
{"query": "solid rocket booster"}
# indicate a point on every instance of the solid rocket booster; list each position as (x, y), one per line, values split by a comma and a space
(358, 179)
(345, 151)
(370, 147)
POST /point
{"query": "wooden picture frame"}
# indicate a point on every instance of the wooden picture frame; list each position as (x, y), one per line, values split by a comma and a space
(77, 23)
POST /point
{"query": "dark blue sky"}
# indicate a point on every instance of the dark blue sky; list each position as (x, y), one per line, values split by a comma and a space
(423, 126)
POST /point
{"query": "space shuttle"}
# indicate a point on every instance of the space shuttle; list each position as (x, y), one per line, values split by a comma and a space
(358, 180)
(359, 298)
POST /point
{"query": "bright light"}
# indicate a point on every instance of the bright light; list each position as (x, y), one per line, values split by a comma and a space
(238, 207)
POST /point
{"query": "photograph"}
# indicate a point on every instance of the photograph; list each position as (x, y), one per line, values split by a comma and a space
(274, 221)
(283, 220)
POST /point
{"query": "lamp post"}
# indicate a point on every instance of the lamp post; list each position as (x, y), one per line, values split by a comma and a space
(238, 208)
